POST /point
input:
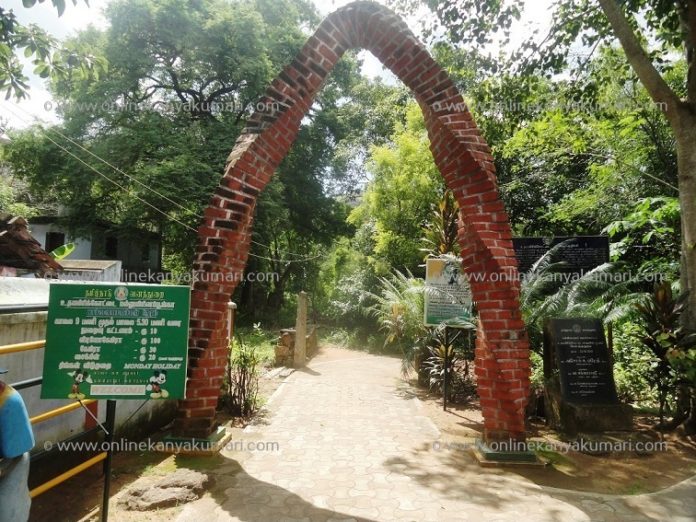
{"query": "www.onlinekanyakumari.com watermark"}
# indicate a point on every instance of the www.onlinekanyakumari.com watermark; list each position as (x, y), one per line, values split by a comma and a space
(562, 277)
(177, 278)
(511, 106)
(172, 106)
(166, 446)
(578, 446)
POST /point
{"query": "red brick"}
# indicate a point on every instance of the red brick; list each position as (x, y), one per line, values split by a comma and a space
(462, 156)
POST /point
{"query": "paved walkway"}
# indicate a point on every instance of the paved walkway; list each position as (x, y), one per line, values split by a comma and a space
(353, 447)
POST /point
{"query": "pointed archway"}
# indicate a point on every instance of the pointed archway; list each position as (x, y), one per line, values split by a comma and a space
(462, 157)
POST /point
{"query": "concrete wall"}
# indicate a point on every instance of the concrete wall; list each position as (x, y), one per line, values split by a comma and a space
(31, 326)
(80, 270)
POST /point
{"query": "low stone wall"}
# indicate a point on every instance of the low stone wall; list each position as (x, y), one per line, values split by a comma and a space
(285, 349)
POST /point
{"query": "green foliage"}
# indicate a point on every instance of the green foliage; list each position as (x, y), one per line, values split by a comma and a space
(536, 377)
(10, 203)
(472, 23)
(673, 346)
(457, 346)
(399, 311)
(548, 290)
(355, 338)
(398, 200)
(181, 80)
(577, 170)
(662, 330)
(653, 227)
(48, 58)
(259, 339)
(633, 363)
(441, 232)
(345, 281)
(242, 382)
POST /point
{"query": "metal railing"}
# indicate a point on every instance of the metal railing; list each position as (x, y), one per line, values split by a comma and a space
(51, 414)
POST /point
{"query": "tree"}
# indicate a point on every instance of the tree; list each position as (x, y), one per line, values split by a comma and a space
(398, 200)
(183, 78)
(10, 200)
(649, 34)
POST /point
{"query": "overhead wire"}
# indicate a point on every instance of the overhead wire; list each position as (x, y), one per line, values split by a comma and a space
(129, 191)
(145, 186)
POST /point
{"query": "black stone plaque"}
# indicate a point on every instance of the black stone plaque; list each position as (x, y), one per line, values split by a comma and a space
(578, 349)
(581, 253)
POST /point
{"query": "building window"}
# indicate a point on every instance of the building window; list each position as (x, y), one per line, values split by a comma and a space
(111, 247)
(54, 240)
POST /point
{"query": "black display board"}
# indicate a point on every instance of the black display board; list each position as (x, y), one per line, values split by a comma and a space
(578, 349)
(581, 253)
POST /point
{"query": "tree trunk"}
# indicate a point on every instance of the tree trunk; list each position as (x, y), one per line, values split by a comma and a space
(685, 134)
(690, 423)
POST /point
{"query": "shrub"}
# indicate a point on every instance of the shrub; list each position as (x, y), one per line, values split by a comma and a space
(632, 362)
(399, 311)
(242, 381)
(457, 346)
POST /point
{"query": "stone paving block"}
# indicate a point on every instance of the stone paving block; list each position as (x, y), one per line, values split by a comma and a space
(398, 478)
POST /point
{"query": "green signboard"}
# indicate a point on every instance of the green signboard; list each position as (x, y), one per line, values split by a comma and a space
(448, 297)
(116, 341)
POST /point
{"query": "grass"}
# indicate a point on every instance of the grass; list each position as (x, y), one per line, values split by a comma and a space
(636, 488)
(558, 461)
(262, 341)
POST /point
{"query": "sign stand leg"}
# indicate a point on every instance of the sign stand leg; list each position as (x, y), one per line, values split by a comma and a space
(110, 426)
(445, 384)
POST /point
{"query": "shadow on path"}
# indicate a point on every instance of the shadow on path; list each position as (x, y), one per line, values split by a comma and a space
(247, 498)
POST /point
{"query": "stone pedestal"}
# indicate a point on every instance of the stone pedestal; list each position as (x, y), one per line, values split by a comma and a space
(571, 419)
(300, 354)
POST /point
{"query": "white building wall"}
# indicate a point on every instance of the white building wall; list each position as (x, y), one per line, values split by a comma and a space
(83, 245)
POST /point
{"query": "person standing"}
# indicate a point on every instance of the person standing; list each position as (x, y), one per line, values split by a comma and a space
(16, 440)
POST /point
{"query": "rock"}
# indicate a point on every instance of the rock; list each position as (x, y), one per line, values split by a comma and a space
(157, 498)
(185, 478)
(178, 488)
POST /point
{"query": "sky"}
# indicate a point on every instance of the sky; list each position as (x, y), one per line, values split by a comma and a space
(80, 16)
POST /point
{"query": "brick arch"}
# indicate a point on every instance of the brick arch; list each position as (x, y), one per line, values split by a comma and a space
(461, 155)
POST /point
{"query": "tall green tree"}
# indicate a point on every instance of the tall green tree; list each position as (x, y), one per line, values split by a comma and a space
(183, 78)
(654, 37)
(649, 34)
(399, 198)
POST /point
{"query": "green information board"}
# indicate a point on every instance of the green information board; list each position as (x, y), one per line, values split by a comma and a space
(116, 341)
(448, 297)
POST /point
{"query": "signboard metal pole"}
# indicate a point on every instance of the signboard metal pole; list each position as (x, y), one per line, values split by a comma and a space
(445, 384)
(111, 427)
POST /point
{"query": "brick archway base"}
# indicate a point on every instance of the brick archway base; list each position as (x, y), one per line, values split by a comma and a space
(461, 155)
